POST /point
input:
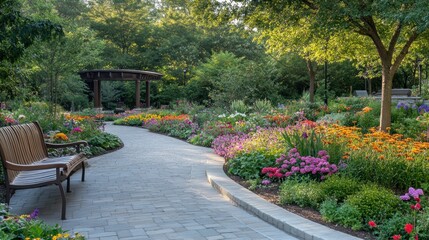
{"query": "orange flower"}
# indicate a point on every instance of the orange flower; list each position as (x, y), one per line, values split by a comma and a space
(366, 109)
(61, 136)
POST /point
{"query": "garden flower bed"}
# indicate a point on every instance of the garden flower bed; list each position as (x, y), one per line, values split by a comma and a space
(337, 164)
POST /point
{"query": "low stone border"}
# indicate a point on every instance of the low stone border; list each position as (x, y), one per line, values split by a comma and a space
(289, 222)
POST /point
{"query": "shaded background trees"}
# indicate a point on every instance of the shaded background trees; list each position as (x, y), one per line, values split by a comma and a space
(209, 52)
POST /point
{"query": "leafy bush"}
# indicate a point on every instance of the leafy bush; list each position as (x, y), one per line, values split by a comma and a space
(339, 188)
(375, 203)
(249, 165)
(302, 193)
(102, 142)
(262, 106)
(239, 106)
(393, 226)
(345, 214)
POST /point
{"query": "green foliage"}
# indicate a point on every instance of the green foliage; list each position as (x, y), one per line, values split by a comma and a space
(370, 119)
(339, 188)
(308, 143)
(249, 165)
(375, 203)
(344, 214)
(239, 106)
(29, 226)
(234, 78)
(302, 193)
(410, 173)
(262, 106)
(393, 226)
(103, 142)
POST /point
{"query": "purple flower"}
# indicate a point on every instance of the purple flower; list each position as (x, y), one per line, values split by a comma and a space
(405, 197)
(34, 214)
(423, 109)
(266, 182)
(304, 135)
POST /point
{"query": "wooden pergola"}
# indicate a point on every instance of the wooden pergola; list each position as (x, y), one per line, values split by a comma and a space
(94, 78)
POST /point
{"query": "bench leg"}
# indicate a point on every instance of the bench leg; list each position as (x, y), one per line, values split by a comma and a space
(68, 184)
(83, 171)
(8, 196)
(63, 198)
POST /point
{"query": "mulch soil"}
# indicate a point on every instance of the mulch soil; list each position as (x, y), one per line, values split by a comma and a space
(271, 194)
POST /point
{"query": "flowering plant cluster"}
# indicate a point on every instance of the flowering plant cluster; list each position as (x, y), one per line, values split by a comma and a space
(229, 145)
(30, 227)
(411, 229)
(295, 164)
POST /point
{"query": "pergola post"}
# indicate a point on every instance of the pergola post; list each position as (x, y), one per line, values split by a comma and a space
(137, 93)
(96, 76)
(97, 94)
(147, 93)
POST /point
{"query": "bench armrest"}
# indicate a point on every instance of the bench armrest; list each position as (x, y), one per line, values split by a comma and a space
(64, 145)
(31, 167)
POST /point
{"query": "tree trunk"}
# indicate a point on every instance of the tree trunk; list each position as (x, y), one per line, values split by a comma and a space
(312, 75)
(386, 98)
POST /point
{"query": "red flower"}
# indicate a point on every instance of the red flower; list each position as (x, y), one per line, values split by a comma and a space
(417, 199)
(396, 237)
(417, 206)
(372, 224)
(408, 228)
(416, 237)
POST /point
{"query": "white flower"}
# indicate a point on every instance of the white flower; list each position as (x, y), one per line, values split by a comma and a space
(21, 117)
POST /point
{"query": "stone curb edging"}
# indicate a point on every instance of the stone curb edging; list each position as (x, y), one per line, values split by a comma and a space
(289, 222)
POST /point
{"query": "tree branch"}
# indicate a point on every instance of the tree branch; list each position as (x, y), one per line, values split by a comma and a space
(373, 34)
(404, 52)
(395, 38)
(310, 4)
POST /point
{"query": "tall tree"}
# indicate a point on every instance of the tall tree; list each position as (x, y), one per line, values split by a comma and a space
(391, 26)
(17, 33)
(125, 25)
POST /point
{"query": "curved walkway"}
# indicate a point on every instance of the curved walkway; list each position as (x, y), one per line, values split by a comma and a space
(156, 188)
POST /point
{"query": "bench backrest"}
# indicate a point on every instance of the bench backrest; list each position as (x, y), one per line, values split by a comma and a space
(404, 92)
(21, 144)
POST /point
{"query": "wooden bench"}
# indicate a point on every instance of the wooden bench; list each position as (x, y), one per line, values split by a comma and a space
(24, 156)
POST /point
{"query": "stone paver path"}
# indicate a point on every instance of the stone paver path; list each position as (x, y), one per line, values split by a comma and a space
(153, 188)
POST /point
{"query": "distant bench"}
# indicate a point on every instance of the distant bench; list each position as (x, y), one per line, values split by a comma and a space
(24, 156)
(399, 94)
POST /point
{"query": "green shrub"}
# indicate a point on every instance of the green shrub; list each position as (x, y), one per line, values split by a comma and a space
(103, 142)
(239, 106)
(344, 214)
(350, 216)
(328, 210)
(393, 226)
(339, 188)
(302, 193)
(262, 106)
(375, 203)
(249, 165)
(369, 119)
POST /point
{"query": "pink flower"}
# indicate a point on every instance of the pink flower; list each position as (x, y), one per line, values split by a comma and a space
(397, 237)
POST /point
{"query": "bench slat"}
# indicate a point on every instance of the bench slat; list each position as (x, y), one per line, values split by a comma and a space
(22, 147)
